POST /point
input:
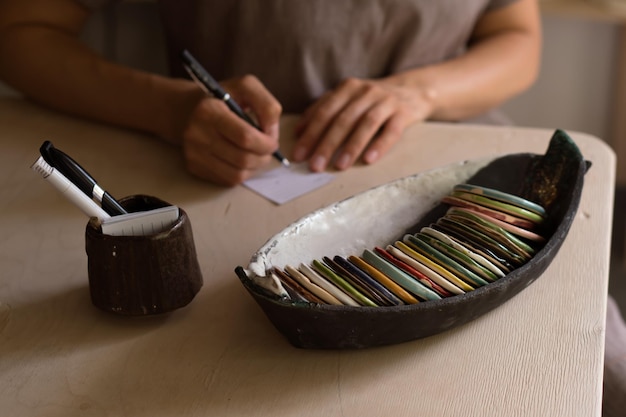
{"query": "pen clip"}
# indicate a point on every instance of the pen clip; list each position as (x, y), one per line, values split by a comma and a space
(202, 77)
(195, 78)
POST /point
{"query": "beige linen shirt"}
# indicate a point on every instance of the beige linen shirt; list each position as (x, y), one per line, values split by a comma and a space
(301, 48)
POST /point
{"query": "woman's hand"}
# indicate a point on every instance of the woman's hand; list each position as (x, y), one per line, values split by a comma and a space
(364, 118)
(221, 147)
(360, 118)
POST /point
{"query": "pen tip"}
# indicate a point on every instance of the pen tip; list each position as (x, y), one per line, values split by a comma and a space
(285, 162)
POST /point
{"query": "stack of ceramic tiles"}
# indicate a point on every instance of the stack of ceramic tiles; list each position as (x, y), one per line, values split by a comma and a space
(484, 235)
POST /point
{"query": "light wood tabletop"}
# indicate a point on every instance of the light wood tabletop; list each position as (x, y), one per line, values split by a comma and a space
(539, 354)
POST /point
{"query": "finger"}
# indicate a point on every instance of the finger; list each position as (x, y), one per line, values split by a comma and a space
(212, 160)
(308, 113)
(389, 135)
(354, 127)
(251, 93)
(217, 171)
(215, 115)
(365, 131)
(365, 110)
(201, 144)
(314, 123)
(319, 116)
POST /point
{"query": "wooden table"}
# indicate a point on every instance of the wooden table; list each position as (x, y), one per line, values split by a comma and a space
(540, 354)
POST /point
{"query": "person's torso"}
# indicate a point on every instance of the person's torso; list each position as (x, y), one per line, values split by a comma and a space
(299, 49)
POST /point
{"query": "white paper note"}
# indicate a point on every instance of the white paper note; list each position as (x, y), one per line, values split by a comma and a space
(283, 184)
(141, 223)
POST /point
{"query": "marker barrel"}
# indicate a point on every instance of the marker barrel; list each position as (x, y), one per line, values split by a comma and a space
(69, 190)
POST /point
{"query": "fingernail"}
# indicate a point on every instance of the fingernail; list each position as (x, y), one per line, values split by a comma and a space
(371, 157)
(318, 163)
(299, 154)
(343, 161)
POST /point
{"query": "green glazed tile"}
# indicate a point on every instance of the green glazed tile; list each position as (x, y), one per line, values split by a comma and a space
(501, 262)
(353, 280)
(519, 232)
(498, 205)
(493, 232)
(500, 215)
(480, 259)
(426, 271)
(458, 256)
(343, 284)
(501, 196)
(337, 292)
(444, 260)
(475, 236)
(399, 277)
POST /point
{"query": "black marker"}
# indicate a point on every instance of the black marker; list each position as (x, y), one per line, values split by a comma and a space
(208, 83)
(81, 178)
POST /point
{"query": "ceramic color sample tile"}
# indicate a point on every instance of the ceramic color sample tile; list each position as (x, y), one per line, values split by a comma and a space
(403, 294)
(517, 221)
(463, 249)
(327, 285)
(445, 261)
(343, 284)
(500, 206)
(431, 269)
(458, 256)
(401, 278)
(501, 196)
(386, 293)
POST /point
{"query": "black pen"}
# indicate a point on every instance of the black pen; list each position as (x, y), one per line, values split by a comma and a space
(81, 178)
(208, 83)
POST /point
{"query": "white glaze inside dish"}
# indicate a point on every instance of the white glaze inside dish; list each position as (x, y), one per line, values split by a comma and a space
(375, 217)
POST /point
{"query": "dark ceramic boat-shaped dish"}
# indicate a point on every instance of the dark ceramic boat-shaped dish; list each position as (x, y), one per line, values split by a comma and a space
(382, 215)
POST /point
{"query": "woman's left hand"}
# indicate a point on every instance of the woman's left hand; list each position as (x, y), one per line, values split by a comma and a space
(360, 118)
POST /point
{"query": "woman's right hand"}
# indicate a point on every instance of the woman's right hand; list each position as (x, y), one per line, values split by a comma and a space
(221, 147)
